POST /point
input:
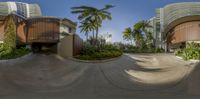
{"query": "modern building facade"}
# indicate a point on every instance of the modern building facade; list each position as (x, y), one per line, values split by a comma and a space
(22, 9)
(40, 31)
(176, 24)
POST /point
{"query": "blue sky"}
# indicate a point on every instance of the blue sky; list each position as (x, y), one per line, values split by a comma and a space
(125, 13)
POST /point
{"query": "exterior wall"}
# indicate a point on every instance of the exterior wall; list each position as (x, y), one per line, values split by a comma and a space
(153, 30)
(43, 30)
(4, 8)
(65, 46)
(159, 22)
(67, 27)
(189, 31)
(34, 10)
(21, 33)
(1, 33)
(175, 11)
(70, 44)
(77, 45)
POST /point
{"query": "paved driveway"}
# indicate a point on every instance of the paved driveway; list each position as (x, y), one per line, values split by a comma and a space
(131, 76)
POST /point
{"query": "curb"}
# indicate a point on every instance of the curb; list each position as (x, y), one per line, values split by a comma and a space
(191, 60)
(95, 61)
(10, 60)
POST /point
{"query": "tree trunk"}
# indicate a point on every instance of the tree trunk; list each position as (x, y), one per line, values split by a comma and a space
(86, 36)
(132, 42)
(93, 38)
(97, 33)
(93, 34)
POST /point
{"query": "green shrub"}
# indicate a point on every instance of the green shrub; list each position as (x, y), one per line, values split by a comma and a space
(10, 33)
(90, 52)
(159, 50)
(192, 51)
(178, 52)
(133, 49)
(7, 53)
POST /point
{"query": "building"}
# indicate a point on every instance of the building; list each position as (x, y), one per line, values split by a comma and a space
(176, 24)
(39, 31)
(22, 9)
(154, 28)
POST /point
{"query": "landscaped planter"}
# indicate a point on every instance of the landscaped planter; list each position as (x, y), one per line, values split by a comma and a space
(95, 61)
(191, 60)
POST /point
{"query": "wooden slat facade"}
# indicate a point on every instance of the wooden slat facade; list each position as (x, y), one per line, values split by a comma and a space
(1, 31)
(77, 45)
(21, 32)
(188, 31)
(43, 30)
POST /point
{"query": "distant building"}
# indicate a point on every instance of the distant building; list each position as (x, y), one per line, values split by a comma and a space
(176, 24)
(154, 29)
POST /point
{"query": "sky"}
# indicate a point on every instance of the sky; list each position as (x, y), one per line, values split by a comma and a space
(124, 14)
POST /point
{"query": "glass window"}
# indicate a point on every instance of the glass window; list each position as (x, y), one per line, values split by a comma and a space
(21, 9)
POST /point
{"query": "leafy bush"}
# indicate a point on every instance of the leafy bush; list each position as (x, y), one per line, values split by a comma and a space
(133, 49)
(10, 33)
(192, 51)
(159, 50)
(90, 52)
(178, 52)
(8, 53)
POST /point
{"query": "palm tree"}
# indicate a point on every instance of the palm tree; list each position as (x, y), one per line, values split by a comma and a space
(127, 34)
(87, 13)
(148, 35)
(137, 34)
(95, 26)
(142, 26)
(138, 37)
(86, 27)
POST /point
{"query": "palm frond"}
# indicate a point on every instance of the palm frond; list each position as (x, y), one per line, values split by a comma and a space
(83, 7)
(77, 11)
(107, 7)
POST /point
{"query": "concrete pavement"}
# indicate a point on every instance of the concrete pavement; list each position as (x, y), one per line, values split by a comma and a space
(132, 76)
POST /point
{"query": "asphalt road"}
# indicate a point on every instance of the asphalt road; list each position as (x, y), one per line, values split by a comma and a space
(131, 76)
